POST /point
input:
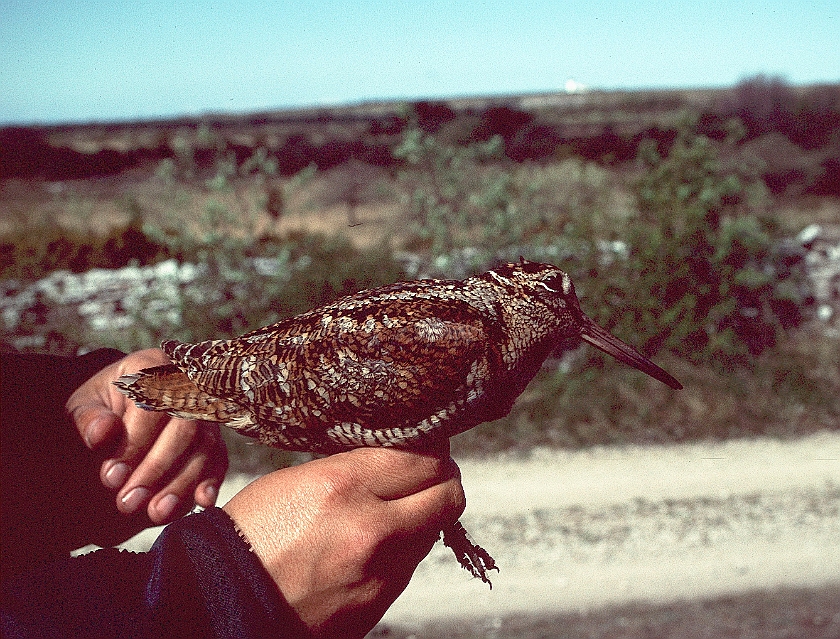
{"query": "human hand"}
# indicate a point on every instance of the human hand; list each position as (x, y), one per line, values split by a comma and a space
(155, 461)
(341, 536)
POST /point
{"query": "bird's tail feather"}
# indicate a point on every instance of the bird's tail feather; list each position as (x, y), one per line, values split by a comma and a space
(168, 389)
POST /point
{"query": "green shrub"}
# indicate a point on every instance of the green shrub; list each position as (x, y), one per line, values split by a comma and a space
(331, 267)
(468, 207)
(692, 266)
(248, 280)
(33, 252)
(241, 287)
(439, 181)
(695, 276)
(698, 272)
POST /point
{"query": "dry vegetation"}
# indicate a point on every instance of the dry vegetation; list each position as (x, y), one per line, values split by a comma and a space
(674, 211)
(648, 199)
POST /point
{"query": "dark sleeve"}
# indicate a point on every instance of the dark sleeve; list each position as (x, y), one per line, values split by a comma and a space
(51, 498)
(200, 579)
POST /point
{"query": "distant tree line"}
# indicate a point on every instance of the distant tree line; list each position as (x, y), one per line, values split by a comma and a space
(805, 150)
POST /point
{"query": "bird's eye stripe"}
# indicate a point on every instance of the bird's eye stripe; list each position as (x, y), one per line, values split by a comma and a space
(567, 284)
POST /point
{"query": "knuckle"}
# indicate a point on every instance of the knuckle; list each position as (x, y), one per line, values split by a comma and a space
(333, 488)
(155, 468)
(185, 428)
(454, 498)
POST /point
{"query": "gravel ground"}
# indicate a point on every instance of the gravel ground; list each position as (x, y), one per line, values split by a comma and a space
(734, 539)
(656, 529)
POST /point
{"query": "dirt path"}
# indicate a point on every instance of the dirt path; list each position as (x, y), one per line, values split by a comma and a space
(583, 530)
(579, 531)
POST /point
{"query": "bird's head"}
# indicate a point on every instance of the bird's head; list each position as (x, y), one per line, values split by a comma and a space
(533, 279)
(554, 288)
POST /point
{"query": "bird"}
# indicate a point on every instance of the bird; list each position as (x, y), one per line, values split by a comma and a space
(404, 365)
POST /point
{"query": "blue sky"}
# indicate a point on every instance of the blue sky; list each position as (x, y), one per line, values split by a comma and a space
(92, 61)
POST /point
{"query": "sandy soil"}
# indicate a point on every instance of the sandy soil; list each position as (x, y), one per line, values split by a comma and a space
(582, 530)
(575, 532)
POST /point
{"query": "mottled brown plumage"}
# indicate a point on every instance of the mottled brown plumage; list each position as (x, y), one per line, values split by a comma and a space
(402, 365)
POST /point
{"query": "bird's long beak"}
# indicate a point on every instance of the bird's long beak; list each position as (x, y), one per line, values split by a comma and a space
(609, 343)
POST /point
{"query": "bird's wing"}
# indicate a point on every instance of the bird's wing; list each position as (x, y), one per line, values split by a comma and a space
(376, 364)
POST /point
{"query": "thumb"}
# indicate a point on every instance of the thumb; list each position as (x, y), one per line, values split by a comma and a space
(97, 425)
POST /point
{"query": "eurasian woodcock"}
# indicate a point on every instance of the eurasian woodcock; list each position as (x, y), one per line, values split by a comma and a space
(400, 365)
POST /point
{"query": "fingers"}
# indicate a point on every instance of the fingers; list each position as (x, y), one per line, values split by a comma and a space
(141, 432)
(98, 426)
(431, 508)
(178, 497)
(185, 465)
(141, 429)
(393, 473)
(420, 493)
(104, 417)
(400, 495)
(404, 480)
(341, 536)
(154, 461)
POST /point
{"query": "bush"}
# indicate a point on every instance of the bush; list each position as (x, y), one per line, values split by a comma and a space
(696, 268)
(244, 284)
(703, 275)
(807, 116)
(469, 207)
(439, 181)
(695, 275)
(333, 268)
(32, 253)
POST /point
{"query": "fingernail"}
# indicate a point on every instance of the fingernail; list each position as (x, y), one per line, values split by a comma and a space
(116, 475)
(95, 432)
(134, 498)
(211, 492)
(167, 506)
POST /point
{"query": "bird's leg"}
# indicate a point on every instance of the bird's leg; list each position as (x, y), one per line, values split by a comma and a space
(472, 557)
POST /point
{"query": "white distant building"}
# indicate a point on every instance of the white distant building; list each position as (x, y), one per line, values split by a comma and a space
(573, 86)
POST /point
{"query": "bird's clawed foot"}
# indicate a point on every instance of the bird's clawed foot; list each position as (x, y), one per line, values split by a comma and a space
(472, 557)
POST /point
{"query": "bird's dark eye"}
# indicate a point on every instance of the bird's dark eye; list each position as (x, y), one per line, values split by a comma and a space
(555, 283)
